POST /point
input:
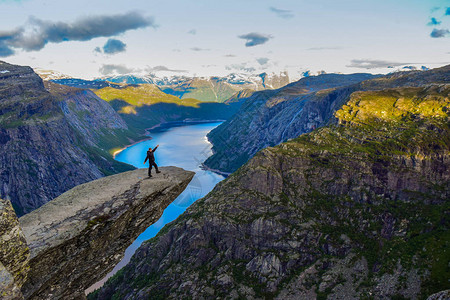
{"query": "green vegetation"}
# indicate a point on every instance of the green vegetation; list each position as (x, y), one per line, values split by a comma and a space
(142, 95)
(410, 121)
(368, 189)
(380, 129)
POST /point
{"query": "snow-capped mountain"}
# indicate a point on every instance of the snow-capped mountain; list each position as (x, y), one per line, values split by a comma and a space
(213, 88)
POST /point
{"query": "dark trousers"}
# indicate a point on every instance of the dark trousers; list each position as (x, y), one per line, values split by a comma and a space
(150, 165)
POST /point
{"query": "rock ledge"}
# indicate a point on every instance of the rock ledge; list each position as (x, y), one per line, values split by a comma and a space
(78, 237)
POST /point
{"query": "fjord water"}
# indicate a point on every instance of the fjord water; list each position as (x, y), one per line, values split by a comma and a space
(185, 147)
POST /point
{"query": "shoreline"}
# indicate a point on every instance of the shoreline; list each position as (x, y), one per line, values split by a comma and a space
(206, 168)
(127, 146)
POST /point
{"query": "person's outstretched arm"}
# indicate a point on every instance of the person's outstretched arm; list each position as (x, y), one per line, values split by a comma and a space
(145, 159)
(155, 148)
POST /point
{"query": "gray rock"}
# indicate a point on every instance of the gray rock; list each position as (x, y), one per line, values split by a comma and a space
(14, 253)
(77, 238)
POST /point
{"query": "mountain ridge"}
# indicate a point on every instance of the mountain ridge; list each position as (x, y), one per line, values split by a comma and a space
(355, 209)
(267, 118)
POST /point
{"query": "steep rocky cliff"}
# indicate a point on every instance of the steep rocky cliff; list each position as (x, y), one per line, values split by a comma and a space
(14, 254)
(355, 210)
(268, 118)
(77, 238)
(51, 141)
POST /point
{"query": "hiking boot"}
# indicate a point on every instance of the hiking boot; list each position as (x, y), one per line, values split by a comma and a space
(158, 171)
(149, 176)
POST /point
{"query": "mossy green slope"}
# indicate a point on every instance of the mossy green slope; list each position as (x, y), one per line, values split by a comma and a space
(143, 94)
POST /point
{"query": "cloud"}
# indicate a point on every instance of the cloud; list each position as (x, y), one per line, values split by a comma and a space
(37, 33)
(110, 69)
(282, 13)
(199, 49)
(372, 64)
(254, 38)
(113, 46)
(240, 67)
(229, 55)
(164, 68)
(192, 31)
(439, 33)
(447, 12)
(262, 60)
(434, 22)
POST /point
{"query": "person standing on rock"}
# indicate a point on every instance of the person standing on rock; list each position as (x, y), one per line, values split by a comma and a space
(151, 160)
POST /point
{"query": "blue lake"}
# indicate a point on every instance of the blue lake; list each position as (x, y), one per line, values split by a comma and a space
(185, 147)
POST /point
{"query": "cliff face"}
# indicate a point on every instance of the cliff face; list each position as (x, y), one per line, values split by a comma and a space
(271, 117)
(268, 118)
(77, 238)
(14, 254)
(44, 138)
(349, 211)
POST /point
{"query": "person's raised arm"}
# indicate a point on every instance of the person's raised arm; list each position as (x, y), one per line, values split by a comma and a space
(155, 148)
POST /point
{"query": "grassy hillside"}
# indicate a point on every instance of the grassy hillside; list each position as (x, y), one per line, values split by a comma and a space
(143, 106)
(140, 95)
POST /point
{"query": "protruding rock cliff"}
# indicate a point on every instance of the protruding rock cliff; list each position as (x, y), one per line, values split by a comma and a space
(77, 238)
(356, 210)
(51, 141)
(14, 253)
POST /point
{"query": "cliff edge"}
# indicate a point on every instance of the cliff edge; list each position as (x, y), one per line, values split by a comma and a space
(77, 238)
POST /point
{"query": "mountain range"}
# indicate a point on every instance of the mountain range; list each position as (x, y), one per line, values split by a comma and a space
(338, 188)
(267, 118)
(356, 209)
(209, 89)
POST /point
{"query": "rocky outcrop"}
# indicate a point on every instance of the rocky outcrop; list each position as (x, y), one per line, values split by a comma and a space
(14, 253)
(77, 238)
(355, 210)
(59, 137)
(268, 118)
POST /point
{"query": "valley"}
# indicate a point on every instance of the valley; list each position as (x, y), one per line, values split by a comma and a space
(298, 150)
(354, 209)
(336, 184)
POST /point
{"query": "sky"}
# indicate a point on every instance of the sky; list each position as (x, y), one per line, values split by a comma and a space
(89, 39)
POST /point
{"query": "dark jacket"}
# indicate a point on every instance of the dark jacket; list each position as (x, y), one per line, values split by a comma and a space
(150, 155)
